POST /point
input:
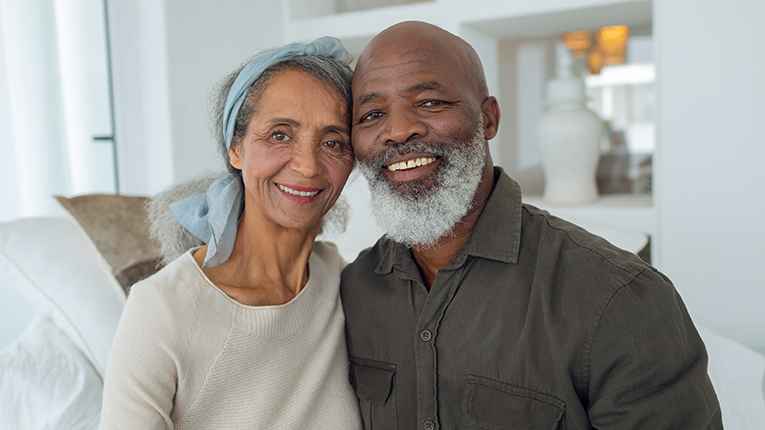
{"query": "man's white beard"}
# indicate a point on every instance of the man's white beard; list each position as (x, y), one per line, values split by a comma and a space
(418, 216)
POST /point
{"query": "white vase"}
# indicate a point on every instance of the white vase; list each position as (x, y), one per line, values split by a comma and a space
(568, 135)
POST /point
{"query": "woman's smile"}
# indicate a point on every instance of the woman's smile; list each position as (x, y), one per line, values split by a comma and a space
(298, 194)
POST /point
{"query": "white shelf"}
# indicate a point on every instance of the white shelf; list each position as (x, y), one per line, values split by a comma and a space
(499, 19)
(634, 212)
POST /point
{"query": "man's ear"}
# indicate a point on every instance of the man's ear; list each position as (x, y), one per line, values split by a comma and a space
(233, 154)
(490, 110)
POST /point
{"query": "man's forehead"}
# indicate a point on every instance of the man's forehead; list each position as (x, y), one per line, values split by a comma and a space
(408, 71)
(399, 83)
(392, 55)
(413, 56)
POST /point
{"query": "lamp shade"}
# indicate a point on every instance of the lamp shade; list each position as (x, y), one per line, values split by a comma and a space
(578, 42)
(612, 43)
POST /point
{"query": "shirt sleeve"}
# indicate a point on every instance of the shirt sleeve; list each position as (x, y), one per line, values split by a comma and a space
(142, 371)
(647, 364)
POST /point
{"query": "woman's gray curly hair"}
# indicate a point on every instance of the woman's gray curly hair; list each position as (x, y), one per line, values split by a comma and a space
(164, 229)
(173, 238)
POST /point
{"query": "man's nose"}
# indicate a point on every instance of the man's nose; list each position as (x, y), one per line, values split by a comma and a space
(403, 125)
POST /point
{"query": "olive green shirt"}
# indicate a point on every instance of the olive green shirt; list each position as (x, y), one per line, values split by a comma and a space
(535, 324)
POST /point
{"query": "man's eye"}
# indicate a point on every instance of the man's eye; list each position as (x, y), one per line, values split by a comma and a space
(432, 103)
(371, 116)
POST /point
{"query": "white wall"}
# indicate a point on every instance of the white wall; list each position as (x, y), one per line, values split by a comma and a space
(205, 41)
(711, 194)
(167, 56)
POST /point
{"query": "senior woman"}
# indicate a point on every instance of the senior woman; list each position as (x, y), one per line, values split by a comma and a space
(248, 330)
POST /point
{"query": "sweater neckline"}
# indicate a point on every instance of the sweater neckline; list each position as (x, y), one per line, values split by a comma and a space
(272, 320)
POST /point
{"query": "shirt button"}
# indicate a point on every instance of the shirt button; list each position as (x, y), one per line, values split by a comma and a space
(428, 425)
(426, 335)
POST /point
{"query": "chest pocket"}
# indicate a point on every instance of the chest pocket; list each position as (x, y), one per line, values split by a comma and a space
(494, 405)
(374, 382)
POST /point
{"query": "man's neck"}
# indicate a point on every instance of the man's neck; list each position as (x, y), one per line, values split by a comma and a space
(432, 259)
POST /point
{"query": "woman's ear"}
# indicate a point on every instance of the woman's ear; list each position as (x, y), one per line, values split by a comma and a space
(234, 155)
(490, 110)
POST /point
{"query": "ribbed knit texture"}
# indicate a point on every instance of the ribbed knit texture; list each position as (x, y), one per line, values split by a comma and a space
(187, 356)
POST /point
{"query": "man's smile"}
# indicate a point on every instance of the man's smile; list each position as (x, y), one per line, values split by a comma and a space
(411, 167)
(410, 164)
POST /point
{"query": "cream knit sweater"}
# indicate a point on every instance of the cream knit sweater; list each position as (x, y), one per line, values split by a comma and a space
(187, 356)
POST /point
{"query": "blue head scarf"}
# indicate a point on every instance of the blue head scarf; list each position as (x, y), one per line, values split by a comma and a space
(213, 216)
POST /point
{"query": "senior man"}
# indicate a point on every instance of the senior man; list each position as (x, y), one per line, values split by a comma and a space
(476, 310)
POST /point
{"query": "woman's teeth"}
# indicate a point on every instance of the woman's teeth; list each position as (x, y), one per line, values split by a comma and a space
(289, 190)
(410, 164)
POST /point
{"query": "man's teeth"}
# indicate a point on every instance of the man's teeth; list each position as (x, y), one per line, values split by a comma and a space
(410, 164)
(289, 190)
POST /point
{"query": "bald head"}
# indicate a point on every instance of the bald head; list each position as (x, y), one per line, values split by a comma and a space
(422, 118)
(420, 41)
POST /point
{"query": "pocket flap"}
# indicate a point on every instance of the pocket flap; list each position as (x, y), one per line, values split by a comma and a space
(371, 379)
(505, 406)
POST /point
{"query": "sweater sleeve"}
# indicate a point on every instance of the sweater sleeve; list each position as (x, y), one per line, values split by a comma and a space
(142, 371)
(648, 365)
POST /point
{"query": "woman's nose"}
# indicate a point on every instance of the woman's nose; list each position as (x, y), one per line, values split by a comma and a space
(305, 162)
(402, 126)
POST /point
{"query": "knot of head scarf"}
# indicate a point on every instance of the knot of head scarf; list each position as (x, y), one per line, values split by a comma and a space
(213, 216)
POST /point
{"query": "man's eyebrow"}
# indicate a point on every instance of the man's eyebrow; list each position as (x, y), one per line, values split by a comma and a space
(419, 86)
(425, 86)
(366, 98)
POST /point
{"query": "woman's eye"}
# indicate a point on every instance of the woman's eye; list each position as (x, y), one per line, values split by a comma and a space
(280, 137)
(333, 144)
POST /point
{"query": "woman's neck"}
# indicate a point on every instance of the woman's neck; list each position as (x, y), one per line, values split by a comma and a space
(268, 264)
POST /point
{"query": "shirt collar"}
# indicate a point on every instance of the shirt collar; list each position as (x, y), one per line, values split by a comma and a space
(496, 235)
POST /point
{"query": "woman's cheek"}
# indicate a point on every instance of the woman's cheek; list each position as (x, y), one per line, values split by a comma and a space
(339, 169)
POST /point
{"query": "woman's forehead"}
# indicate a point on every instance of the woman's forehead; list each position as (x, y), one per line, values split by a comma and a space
(300, 96)
(298, 86)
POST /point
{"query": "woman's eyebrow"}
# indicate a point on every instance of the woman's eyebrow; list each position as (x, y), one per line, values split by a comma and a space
(289, 121)
(338, 128)
(297, 124)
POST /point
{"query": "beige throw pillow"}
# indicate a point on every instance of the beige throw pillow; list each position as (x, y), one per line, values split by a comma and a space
(118, 227)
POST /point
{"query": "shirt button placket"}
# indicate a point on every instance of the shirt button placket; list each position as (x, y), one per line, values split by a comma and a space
(426, 335)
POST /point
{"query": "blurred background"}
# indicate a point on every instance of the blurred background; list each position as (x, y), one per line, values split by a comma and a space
(108, 96)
